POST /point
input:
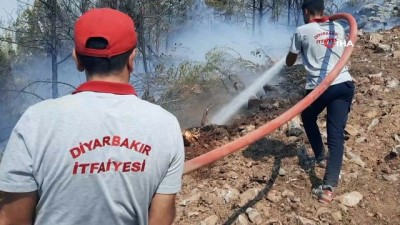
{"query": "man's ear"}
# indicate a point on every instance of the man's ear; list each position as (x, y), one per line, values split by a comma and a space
(131, 60)
(78, 64)
(306, 16)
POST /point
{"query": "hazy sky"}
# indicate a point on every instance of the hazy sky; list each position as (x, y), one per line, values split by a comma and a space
(8, 7)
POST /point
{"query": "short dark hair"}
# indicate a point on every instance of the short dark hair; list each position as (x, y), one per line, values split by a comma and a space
(314, 7)
(100, 65)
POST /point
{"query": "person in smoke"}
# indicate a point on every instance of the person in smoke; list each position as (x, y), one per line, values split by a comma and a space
(100, 155)
(320, 43)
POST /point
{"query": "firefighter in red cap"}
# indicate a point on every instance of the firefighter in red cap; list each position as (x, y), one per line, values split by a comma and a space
(100, 155)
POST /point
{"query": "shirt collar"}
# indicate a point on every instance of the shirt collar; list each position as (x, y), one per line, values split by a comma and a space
(320, 20)
(106, 87)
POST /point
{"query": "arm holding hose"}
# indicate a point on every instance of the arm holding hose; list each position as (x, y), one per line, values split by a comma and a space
(295, 49)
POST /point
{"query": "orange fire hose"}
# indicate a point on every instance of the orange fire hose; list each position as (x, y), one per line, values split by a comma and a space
(271, 126)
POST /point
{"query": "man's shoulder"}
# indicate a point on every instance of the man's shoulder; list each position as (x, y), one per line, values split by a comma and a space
(49, 105)
(306, 27)
(155, 110)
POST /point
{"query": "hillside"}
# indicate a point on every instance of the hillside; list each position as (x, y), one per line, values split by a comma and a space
(269, 183)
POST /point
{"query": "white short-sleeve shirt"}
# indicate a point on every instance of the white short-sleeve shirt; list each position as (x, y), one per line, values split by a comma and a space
(95, 157)
(320, 45)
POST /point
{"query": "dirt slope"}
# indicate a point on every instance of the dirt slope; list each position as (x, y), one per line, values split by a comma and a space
(268, 183)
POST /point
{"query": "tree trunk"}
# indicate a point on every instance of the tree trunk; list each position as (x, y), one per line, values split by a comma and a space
(254, 16)
(142, 44)
(54, 65)
(288, 11)
(260, 16)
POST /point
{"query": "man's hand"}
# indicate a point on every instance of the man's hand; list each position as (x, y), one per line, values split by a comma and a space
(18, 208)
(291, 59)
(162, 210)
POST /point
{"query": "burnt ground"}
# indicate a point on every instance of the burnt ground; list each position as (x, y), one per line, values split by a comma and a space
(268, 183)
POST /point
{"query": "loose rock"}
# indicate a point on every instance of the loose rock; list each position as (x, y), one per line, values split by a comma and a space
(193, 198)
(247, 196)
(391, 178)
(395, 152)
(373, 123)
(355, 158)
(212, 220)
(231, 194)
(351, 199)
(241, 220)
(254, 216)
(361, 140)
(274, 196)
(351, 130)
(381, 48)
(337, 216)
(282, 172)
(392, 83)
(375, 38)
(305, 221)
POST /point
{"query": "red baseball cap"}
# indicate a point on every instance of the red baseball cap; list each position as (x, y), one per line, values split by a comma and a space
(114, 26)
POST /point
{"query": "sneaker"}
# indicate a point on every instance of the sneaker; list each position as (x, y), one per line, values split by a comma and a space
(321, 163)
(324, 193)
(317, 162)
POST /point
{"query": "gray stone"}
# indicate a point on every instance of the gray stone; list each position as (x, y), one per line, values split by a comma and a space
(394, 83)
(373, 123)
(376, 78)
(395, 151)
(351, 199)
(294, 128)
(282, 172)
(355, 158)
(274, 196)
(193, 198)
(212, 220)
(351, 130)
(337, 216)
(231, 194)
(247, 196)
(193, 214)
(396, 138)
(361, 139)
(391, 178)
(305, 221)
(375, 38)
(254, 216)
(381, 48)
(241, 220)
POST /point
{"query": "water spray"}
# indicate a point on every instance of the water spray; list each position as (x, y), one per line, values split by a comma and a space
(229, 110)
(271, 126)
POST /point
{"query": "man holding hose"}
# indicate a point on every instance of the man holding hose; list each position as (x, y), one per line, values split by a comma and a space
(321, 43)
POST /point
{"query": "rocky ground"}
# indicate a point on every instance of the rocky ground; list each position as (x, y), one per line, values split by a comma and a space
(268, 183)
